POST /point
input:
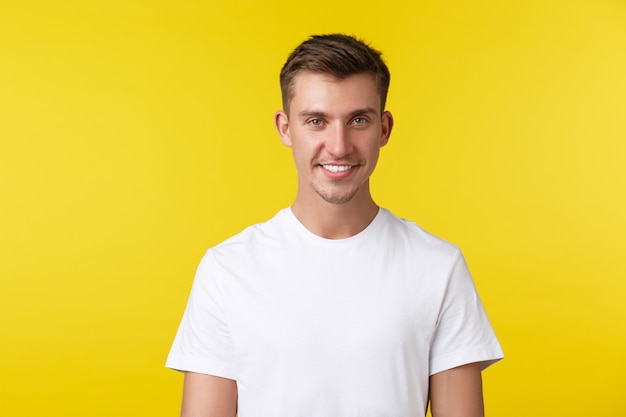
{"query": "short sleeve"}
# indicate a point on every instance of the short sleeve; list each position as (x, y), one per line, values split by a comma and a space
(203, 343)
(464, 333)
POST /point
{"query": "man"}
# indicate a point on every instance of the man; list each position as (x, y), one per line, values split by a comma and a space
(334, 307)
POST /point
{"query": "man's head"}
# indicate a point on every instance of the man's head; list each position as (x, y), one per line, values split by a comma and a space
(335, 55)
(334, 89)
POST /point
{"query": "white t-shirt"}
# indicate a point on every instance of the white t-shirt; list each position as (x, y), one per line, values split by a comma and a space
(313, 327)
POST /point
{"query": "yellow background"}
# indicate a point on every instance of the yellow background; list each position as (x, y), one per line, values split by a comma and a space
(135, 134)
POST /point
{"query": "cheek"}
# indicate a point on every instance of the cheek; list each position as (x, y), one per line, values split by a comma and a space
(372, 157)
(306, 148)
(301, 156)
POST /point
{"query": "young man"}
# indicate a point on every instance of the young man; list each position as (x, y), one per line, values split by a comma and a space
(334, 307)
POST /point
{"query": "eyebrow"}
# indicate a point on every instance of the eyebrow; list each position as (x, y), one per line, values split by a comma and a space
(314, 113)
(311, 113)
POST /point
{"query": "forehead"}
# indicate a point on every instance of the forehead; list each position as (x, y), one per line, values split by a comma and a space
(316, 91)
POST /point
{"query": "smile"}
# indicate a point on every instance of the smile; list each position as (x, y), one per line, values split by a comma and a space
(337, 168)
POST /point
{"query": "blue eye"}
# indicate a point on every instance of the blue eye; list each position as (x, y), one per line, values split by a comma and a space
(359, 120)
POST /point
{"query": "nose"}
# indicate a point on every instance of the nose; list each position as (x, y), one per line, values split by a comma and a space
(338, 142)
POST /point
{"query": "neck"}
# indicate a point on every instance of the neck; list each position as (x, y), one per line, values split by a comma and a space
(335, 221)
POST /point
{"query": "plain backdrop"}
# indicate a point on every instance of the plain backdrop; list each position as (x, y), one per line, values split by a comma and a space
(136, 134)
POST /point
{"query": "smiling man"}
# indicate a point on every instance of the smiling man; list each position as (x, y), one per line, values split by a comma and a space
(335, 128)
(334, 307)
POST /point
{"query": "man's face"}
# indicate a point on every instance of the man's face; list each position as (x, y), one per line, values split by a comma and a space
(335, 129)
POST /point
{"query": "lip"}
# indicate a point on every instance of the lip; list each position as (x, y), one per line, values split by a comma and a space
(341, 174)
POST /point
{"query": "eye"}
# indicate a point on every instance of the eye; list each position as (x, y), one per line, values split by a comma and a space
(359, 120)
(316, 122)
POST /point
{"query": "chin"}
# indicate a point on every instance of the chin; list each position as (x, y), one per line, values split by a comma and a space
(337, 198)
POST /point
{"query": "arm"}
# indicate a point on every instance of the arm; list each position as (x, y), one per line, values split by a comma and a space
(457, 392)
(208, 396)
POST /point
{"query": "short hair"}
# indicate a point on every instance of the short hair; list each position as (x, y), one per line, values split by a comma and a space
(337, 55)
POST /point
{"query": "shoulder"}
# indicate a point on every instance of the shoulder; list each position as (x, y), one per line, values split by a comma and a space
(409, 234)
(242, 252)
(254, 237)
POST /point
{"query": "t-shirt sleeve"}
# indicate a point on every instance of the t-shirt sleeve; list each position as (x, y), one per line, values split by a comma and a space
(463, 334)
(203, 343)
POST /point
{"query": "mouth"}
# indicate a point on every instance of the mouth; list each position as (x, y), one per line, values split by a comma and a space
(337, 168)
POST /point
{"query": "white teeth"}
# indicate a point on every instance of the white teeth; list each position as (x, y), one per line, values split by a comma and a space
(337, 168)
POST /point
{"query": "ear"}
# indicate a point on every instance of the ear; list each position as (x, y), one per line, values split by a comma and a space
(282, 126)
(387, 126)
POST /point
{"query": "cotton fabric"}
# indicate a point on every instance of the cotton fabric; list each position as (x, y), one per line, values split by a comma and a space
(314, 327)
